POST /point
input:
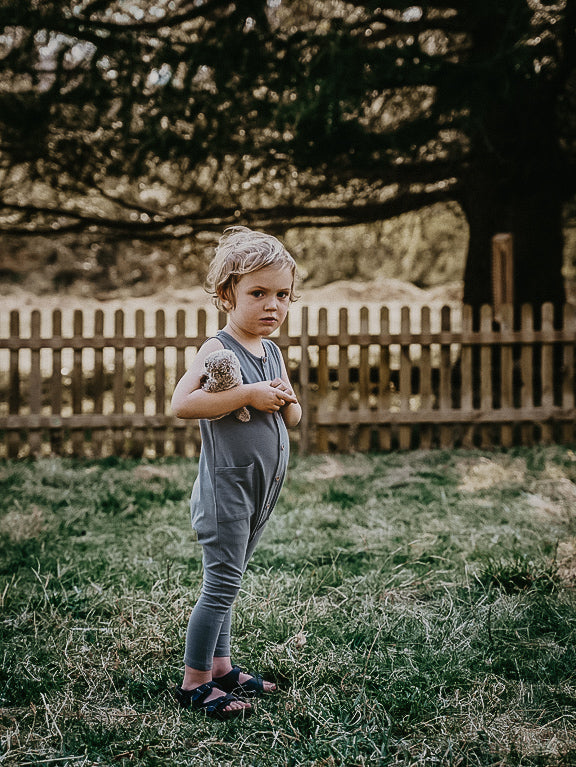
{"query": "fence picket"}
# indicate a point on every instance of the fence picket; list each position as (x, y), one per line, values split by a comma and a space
(486, 431)
(426, 398)
(384, 432)
(506, 371)
(527, 370)
(14, 382)
(56, 435)
(35, 394)
(446, 432)
(405, 382)
(323, 376)
(343, 378)
(568, 374)
(466, 375)
(180, 342)
(304, 383)
(364, 430)
(77, 386)
(160, 434)
(139, 383)
(547, 370)
(119, 394)
(99, 383)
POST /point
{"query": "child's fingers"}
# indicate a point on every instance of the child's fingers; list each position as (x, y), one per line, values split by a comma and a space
(284, 396)
(287, 392)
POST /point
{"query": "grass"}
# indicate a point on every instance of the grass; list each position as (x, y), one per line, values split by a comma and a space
(416, 609)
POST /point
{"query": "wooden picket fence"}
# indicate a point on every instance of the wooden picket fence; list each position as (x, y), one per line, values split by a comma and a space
(375, 380)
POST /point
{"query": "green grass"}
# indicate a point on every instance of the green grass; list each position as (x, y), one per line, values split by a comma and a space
(416, 609)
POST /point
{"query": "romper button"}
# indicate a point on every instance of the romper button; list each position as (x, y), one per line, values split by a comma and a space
(281, 447)
(277, 479)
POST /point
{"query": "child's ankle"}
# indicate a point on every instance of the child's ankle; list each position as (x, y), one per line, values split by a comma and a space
(221, 666)
(194, 678)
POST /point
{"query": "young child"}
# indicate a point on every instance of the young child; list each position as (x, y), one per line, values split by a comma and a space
(242, 464)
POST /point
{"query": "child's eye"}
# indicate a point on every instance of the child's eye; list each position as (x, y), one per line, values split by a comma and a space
(257, 293)
(283, 294)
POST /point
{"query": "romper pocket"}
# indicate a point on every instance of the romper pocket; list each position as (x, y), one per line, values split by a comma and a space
(234, 492)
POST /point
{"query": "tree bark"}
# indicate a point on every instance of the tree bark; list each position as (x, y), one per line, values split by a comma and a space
(534, 218)
(519, 188)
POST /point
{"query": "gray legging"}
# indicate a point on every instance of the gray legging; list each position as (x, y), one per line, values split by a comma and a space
(227, 549)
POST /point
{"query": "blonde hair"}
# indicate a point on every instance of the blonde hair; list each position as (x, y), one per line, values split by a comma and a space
(240, 251)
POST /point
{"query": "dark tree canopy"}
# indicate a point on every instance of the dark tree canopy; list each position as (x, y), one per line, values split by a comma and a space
(166, 118)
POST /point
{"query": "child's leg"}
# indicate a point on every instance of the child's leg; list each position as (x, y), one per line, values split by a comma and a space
(210, 617)
(219, 589)
(221, 662)
(222, 647)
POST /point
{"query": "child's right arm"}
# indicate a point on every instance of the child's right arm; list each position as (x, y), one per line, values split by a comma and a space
(191, 401)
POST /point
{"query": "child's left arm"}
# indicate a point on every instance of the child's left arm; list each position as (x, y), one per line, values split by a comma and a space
(292, 411)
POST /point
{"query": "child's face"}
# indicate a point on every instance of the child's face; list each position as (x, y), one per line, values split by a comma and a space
(262, 301)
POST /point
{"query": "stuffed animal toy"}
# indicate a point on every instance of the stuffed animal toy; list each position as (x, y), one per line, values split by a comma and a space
(223, 372)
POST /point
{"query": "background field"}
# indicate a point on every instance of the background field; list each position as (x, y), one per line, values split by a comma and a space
(415, 609)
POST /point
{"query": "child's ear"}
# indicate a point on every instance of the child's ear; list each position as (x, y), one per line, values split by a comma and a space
(226, 299)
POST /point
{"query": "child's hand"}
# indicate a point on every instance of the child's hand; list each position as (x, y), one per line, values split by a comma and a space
(287, 392)
(269, 397)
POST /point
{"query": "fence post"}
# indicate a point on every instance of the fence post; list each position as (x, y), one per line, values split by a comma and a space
(502, 272)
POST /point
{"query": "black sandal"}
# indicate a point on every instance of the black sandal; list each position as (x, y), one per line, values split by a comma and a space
(230, 682)
(212, 708)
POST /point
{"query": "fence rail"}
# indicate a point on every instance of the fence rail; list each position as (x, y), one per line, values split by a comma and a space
(367, 380)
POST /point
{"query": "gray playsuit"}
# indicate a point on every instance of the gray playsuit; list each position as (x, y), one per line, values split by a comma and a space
(241, 470)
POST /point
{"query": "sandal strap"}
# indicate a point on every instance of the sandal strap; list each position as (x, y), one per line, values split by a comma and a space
(199, 695)
(231, 680)
(220, 703)
(215, 708)
(231, 677)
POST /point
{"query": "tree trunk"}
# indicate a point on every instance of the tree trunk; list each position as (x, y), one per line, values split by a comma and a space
(534, 218)
(517, 188)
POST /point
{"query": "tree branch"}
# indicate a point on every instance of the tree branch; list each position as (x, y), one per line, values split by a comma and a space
(277, 218)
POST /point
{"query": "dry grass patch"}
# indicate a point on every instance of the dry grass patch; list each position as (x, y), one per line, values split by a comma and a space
(483, 473)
